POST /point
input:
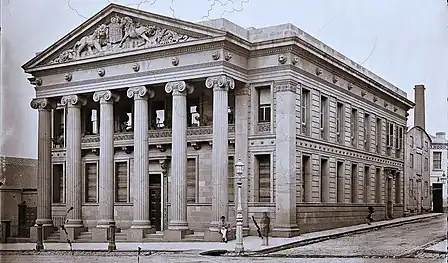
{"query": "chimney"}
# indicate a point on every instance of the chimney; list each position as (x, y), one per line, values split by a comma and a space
(419, 110)
(441, 135)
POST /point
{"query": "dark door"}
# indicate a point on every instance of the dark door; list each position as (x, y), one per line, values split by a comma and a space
(389, 203)
(22, 220)
(155, 213)
(437, 200)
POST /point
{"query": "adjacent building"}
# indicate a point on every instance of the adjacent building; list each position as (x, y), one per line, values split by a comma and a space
(142, 117)
(439, 171)
(418, 144)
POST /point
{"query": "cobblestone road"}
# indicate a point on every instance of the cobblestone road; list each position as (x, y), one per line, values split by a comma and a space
(386, 242)
(197, 259)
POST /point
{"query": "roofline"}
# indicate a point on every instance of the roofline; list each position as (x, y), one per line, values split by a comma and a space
(427, 134)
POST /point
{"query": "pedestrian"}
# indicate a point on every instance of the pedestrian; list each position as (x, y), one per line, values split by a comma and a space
(369, 218)
(224, 228)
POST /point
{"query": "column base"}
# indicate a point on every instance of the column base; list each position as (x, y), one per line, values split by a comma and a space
(173, 235)
(44, 222)
(285, 231)
(72, 233)
(139, 234)
(46, 231)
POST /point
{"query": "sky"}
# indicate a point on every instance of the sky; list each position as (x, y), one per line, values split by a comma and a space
(403, 41)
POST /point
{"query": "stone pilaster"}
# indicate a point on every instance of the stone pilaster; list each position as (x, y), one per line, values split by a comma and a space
(74, 223)
(285, 162)
(178, 225)
(106, 169)
(220, 85)
(242, 94)
(141, 225)
(43, 164)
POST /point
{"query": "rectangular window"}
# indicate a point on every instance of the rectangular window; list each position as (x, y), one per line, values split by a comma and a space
(354, 127)
(305, 112)
(191, 180)
(264, 178)
(411, 187)
(58, 183)
(121, 182)
(340, 182)
(412, 141)
(91, 182)
(306, 179)
(378, 135)
(58, 128)
(264, 104)
(340, 123)
(419, 167)
(390, 135)
(366, 132)
(231, 177)
(366, 184)
(324, 181)
(426, 164)
(411, 160)
(426, 146)
(426, 189)
(378, 187)
(324, 117)
(354, 183)
(437, 161)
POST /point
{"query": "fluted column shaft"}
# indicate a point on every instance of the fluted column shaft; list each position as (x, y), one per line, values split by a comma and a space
(73, 160)
(106, 169)
(221, 86)
(178, 220)
(141, 156)
(44, 161)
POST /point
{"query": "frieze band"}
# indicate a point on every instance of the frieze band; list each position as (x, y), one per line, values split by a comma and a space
(287, 85)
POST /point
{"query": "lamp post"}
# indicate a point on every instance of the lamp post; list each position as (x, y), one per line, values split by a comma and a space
(239, 248)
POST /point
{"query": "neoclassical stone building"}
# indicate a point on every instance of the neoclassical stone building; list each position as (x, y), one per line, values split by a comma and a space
(141, 118)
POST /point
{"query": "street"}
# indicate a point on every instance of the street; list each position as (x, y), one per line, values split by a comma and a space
(381, 246)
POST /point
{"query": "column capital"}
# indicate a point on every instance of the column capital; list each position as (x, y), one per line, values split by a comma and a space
(42, 104)
(73, 100)
(286, 85)
(140, 92)
(105, 96)
(178, 87)
(220, 83)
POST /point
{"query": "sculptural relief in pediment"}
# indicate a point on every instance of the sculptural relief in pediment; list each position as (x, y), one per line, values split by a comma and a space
(120, 34)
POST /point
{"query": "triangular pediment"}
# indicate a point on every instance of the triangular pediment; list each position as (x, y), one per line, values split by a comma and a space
(118, 29)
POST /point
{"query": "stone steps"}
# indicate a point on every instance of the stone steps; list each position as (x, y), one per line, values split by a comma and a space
(55, 237)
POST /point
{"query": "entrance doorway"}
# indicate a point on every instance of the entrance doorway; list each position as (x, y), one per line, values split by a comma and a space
(419, 196)
(437, 199)
(155, 201)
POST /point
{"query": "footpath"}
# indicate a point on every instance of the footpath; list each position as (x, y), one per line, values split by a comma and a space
(252, 244)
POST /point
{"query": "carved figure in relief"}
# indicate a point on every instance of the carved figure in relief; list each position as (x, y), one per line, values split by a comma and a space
(111, 37)
(96, 40)
(135, 30)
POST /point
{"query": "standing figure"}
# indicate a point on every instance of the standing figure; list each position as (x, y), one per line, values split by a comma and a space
(223, 228)
(369, 218)
(265, 224)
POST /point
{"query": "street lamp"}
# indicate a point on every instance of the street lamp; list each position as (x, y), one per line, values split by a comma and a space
(239, 248)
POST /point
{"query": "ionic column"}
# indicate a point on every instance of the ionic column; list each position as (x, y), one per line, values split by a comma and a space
(44, 161)
(178, 224)
(106, 169)
(73, 161)
(141, 159)
(220, 86)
